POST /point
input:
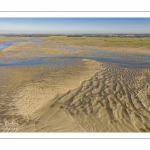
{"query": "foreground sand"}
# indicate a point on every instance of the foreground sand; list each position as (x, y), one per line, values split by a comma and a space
(83, 96)
(110, 99)
(107, 102)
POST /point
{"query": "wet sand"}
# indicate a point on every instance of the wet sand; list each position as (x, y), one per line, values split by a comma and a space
(81, 94)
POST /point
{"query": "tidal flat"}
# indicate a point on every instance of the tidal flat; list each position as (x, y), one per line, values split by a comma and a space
(74, 84)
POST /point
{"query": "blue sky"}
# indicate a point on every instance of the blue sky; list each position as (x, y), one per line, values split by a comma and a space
(74, 25)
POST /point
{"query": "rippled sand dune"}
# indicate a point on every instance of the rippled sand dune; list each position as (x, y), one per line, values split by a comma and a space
(83, 95)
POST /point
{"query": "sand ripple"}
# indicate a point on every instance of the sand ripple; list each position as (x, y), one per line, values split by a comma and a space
(113, 100)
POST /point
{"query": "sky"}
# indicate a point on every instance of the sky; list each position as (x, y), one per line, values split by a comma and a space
(74, 25)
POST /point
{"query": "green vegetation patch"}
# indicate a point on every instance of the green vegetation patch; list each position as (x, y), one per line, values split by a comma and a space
(131, 41)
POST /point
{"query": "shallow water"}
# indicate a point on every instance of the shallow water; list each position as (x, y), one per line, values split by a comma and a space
(37, 61)
(66, 60)
(5, 45)
(37, 45)
(33, 39)
(121, 59)
(104, 54)
(36, 39)
(124, 63)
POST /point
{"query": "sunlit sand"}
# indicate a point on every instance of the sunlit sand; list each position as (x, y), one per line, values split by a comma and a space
(75, 84)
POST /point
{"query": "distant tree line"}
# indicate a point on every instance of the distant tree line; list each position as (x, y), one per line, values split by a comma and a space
(76, 35)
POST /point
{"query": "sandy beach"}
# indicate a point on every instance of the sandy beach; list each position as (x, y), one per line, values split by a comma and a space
(62, 84)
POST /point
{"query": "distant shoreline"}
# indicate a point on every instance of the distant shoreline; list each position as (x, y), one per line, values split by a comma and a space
(78, 35)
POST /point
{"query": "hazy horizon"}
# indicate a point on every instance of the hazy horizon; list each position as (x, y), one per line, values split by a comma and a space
(74, 25)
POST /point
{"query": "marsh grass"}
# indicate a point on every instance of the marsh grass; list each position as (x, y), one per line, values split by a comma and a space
(143, 42)
(131, 41)
(1, 37)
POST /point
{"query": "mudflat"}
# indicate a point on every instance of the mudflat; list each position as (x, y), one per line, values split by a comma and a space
(75, 84)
